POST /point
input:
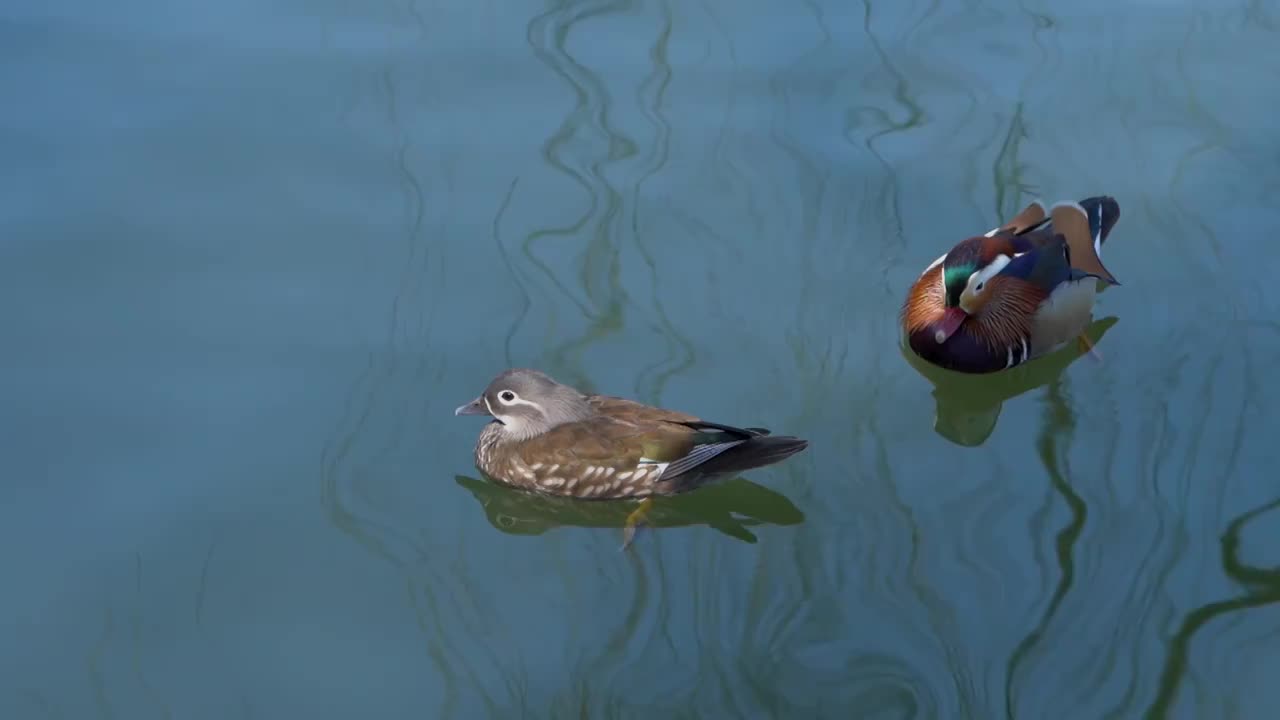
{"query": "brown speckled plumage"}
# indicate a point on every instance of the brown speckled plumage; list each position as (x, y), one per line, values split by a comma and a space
(604, 447)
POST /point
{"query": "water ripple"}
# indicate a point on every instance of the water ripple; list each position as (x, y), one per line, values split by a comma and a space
(547, 35)
(719, 216)
(680, 351)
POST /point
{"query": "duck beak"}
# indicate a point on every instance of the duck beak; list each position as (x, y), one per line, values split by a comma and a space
(952, 317)
(475, 407)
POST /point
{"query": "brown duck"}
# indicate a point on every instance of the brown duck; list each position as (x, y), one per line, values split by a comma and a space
(550, 438)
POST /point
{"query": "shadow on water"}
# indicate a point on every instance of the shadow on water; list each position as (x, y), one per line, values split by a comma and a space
(967, 407)
(730, 507)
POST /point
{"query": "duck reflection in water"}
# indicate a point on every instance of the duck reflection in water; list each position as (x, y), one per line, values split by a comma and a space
(731, 506)
(968, 406)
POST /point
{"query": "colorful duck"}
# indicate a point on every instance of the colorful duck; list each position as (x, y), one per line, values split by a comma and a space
(1014, 294)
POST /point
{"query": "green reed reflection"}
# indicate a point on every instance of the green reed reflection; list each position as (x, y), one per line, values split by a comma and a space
(730, 507)
(1008, 172)
(652, 95)
(968, 406)
(1262, 588)
(1055, 435)
(599, 270)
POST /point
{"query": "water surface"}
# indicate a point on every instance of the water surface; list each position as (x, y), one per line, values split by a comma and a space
(254, 253)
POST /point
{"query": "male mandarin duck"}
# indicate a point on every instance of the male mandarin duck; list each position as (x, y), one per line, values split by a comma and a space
(550, 438)
(1014, 294)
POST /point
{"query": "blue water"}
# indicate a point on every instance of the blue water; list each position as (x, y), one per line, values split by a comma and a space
(252, 255)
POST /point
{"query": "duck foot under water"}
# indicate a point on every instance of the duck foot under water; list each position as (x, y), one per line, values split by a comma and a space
(633, 522)
(1087, 346)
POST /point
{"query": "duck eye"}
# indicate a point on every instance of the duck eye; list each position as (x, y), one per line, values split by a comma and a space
(978, 287)
(506, 396)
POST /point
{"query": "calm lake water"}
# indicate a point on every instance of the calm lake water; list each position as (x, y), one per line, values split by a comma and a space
(254, 254)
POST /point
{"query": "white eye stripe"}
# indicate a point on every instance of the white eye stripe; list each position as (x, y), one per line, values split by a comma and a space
(516, 400)
(978, 280)
(994, 268)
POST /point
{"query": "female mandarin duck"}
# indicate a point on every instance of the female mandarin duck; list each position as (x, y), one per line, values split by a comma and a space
(1014, 294)
(550, 438)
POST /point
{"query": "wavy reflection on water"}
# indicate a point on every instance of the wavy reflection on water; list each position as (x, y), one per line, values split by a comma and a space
(722, 222)
(377, 433)
(1262, 587)
(598, 274)
(680, 356)
(235, 231)
(526, 301)
(1055, 436)
(377, 420)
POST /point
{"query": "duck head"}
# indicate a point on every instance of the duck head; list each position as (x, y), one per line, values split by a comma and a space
(966, 274)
